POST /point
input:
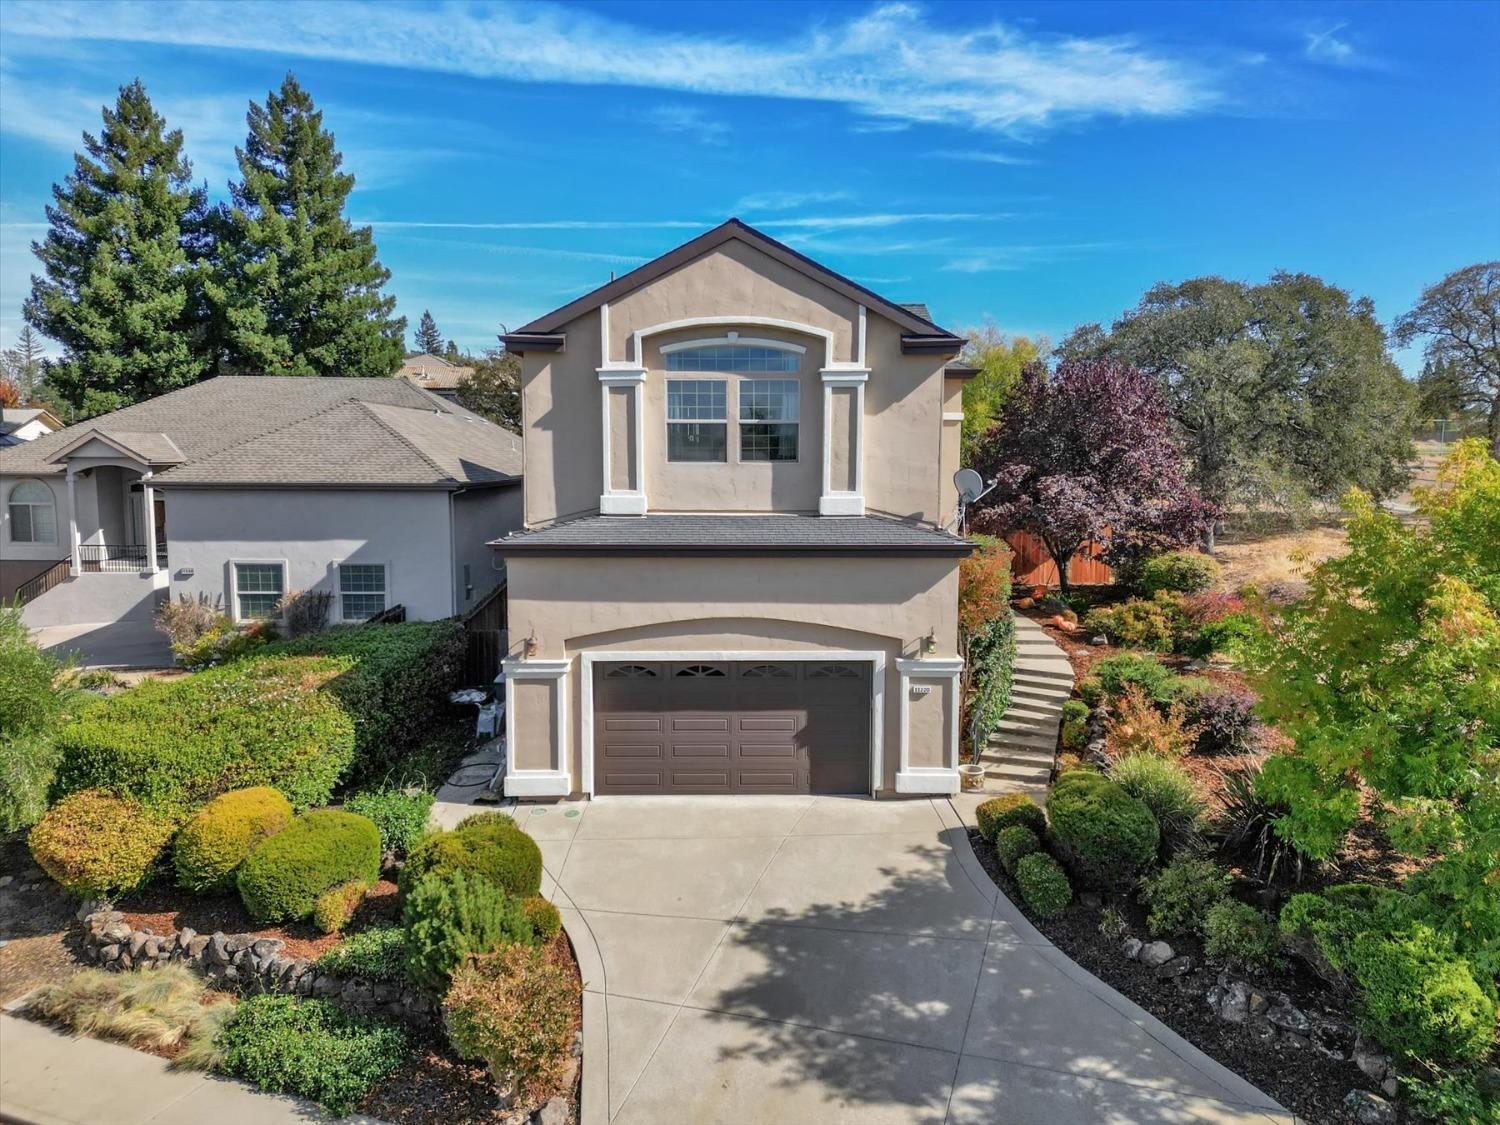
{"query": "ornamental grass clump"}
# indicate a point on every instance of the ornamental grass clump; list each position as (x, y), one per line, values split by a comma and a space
(1168, 791)
(319, 851)
(1103, 835)
(98, 844)
(223, 833)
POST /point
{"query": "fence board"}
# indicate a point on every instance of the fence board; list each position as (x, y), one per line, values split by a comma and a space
(1031, 565)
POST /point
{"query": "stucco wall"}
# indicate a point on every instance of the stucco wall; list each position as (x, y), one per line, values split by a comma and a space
(479, 516)
(725, 604)
(313, 531)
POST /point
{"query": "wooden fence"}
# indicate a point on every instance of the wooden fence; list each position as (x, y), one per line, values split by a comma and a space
(1031, 565)
(485, 628)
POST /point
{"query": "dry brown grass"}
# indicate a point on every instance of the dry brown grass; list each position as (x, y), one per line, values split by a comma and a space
(1278, 560)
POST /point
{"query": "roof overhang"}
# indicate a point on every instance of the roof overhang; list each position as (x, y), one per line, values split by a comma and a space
(166, 454)
(959, 371)
(943, 343)
(522, 342)
(724, 551)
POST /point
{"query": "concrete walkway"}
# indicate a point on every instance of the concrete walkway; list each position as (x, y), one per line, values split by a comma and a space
(1021, 752)
(48, 1078)
(132, 643)
(773, 960)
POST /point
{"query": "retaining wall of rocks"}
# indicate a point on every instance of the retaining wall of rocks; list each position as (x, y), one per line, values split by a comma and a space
(246, 964)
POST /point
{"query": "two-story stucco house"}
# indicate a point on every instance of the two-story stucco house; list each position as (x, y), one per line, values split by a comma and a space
(735, 575)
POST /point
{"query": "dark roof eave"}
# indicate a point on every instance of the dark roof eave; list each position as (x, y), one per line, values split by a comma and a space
(959, 371)
(522, 342)
(166, 482)
(913, 344)
(729, 550)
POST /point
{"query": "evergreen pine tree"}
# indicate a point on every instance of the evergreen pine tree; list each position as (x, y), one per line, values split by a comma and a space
(297, 290)
(452, 354)
(23, 364)
(429, 339)
(117, 276)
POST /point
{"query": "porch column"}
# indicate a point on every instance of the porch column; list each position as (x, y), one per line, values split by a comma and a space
(74, 563)
(148, 500)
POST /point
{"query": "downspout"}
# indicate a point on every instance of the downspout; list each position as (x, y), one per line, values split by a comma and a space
(453, 553)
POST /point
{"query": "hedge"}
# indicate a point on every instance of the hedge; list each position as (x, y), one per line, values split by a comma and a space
(97, 844)
(174, 744)
(211, 846)
(394, 683)
(284, 877)
(999, 813)
(1102, 834)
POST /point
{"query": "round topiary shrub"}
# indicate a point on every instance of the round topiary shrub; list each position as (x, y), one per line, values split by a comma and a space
(1044, 885)
(450, 915)
(545, 921)
(999, 813)
(97, 844)
(1102, 834)
(334, 908)
(211, 846)
(1014, 842)
(1180, 572)
(491, 846)
(318, 851)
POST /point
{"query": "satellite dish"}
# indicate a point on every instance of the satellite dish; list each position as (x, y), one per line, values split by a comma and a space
(969, 484)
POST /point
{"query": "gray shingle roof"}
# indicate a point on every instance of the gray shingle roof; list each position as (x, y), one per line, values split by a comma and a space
(730, 535)
(241, 429)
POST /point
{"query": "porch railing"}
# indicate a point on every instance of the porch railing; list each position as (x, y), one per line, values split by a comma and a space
(97, 558)
(54, 575)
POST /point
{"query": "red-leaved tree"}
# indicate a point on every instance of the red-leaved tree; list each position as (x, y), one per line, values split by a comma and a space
(1087, 454)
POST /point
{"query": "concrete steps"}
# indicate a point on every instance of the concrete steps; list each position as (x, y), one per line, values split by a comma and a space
(1021, 751)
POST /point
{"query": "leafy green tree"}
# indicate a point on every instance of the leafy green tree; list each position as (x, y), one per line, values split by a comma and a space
(429, 339)
(1283, 394)
(451, 352)
(494, 390)
(298, 289)
(1460, 319)
(1000, 360)
(115, 289)
(1386, 675)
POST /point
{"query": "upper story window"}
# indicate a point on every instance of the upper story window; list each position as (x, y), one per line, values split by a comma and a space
(33, 515)
(697, 420)
(769, 413)
(749, 359)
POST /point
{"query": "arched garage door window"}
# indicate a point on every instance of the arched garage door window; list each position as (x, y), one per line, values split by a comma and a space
(33, 516)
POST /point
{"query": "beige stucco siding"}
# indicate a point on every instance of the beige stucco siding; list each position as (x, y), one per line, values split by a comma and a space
(903, 427)
(727, 605)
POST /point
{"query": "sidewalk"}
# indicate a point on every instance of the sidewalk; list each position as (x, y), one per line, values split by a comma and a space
(48, 1078)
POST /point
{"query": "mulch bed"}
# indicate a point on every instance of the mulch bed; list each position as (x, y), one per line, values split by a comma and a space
(36, 924)
(1305, 1082)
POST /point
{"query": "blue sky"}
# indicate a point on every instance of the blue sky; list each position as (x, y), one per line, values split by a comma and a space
(1037, 164)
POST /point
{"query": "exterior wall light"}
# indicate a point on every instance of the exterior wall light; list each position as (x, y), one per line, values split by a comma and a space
(929, 643)
(531, 646)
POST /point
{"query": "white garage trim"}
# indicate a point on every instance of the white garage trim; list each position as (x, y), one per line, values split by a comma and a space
(556, 782)
(928, 779)
(586, 691)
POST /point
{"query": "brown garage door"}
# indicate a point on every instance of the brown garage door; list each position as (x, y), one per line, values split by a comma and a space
(732, 727)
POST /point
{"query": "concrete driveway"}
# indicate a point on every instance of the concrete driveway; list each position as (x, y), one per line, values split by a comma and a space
(821, 959)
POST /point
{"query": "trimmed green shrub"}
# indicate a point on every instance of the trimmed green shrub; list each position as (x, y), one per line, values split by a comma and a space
(223, 642)
(1044, 885)
(516, 1010)
(97, 844)
(377, 955)
(1014, 842)
(33, 699)
(1181, 572)
(400, 816)
(1157, 623)
(394, 683)
(1182, 893)
(1419, 1000)
(1075, 720)
(451, 915)
(211, 846)
(991, 656)
(333, 908)
(318, 851)
(999, 813)
(1113, 673)
(546, 922)
(491, 845)
(1322, 927)
(1238, 933)
(1232, 635)
(312, 1048)
(174, 744)
(1102, 834)
(1167, 790)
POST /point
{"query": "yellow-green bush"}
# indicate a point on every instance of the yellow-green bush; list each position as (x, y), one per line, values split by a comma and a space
(999, 813)
(490, 845)
(211, 846)
(334, 908)
(546, 922)
(1180, 572)
(98, 844)
(283, 878)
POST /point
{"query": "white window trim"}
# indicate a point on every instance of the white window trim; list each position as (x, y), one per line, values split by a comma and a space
(732, 339)
(928, 779)
(742, 422)
(338, 586)
(587, 660)
(698, 377)
(10, 523)
(554, 782)
(838, 502)
(234, 586)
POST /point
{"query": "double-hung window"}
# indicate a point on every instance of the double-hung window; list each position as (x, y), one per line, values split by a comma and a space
(257, 589)
(769, 413)
(33, 515)
(361, 590)
(697, 420)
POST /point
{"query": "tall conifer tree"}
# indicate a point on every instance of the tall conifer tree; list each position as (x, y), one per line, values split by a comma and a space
(298, 289)
(429, 339)
(117, 279)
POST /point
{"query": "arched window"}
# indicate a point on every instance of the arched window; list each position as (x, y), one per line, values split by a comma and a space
(767, 672)
(833, 672)
(630, 672)
(735, 357)
(33, 514)
(706, 671)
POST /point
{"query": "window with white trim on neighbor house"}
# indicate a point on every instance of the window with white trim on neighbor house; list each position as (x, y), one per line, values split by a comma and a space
(257, 589)
(33, 513)
(361, 590)
(768, 414)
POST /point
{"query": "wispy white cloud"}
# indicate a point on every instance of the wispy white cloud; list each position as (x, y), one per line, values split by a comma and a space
(999, 259)
(541, 224)
(1330, 45)
(886, 219)
(891, 64)
(689, 119)
(788, 200)
(980, 156)
(524, 251)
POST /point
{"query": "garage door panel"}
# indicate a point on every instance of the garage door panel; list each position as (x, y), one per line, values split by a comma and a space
(787, 727)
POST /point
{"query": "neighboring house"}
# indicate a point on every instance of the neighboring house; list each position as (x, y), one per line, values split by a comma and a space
(26, 423)
(735, 576)
(434, 373)
(243, 488)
